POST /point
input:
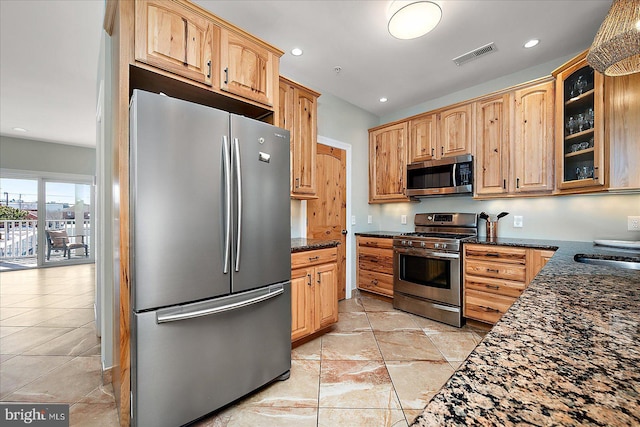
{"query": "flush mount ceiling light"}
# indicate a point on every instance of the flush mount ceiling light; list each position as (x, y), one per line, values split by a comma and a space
(531, 43)
(383, 99)
(20, 129)
(412, 19)
(296, 51)
(616, 47)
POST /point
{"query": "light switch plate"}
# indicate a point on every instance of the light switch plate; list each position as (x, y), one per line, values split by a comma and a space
(353, 220)
(517, 221)
(633, 223)
(369, 219)
(403, 219)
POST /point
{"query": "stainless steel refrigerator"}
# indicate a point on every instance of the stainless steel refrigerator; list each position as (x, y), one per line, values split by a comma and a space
(210, 258)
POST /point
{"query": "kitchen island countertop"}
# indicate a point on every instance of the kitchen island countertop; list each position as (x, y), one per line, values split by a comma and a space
(566, 353)
(301, 244)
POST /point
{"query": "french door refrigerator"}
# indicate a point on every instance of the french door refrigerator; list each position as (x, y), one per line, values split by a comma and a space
(210, 258)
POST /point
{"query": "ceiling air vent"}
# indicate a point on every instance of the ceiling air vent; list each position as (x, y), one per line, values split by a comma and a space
(470, 56)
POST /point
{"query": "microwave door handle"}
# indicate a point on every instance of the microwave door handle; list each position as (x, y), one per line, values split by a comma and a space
(455, 181)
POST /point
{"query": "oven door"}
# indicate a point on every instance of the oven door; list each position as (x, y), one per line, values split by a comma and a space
(429, 274)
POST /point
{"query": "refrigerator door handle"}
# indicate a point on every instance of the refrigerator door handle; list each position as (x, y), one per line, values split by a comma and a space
(203, 309)
(238, 171)
(227, 203)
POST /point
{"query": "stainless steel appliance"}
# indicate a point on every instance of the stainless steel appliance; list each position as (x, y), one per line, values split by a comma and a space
(450, 175)
(210, 258)
(427, 268)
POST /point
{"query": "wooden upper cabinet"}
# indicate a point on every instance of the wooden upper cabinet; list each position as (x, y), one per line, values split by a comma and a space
(455, 131)
(388, 163)
(533, 138)
(298, 114)
(247, 69)
(622, 112)
(492, 145)
(174, 38)
(423, 138)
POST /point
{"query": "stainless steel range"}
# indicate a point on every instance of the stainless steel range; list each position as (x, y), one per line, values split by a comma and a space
(427, 268)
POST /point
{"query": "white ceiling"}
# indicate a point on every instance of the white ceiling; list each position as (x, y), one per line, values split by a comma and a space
(49, 52)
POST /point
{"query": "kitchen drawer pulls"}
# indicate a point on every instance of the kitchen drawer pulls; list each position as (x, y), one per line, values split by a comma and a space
(314, 258)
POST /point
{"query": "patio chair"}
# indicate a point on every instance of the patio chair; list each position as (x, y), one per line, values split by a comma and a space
(58, 240)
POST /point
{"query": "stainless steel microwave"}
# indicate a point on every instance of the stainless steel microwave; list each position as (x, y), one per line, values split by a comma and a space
(451, 175)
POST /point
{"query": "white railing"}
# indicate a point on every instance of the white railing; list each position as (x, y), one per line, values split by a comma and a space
(19, 238)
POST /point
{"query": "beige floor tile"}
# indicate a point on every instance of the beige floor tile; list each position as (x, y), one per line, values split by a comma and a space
(33, 317)
(9, 312)
(374, 304)
(16, 300)
(432, 327)
(250, 416)
(416, 382)
(66, 384)
(94, 415)
(28, 338)
(40, 301)
(406, 345)
(79, 301)
(334, 417)
(102, 394)
(411, 415)
(455, 346)
(5, 357)
(350, 346)
(19, 371)
(350, 305)
(93, 351)
(299, 391)
(308, 351)
(455, 364)
(356, 384)
(8, 330)
(75, 318)
(352, 322)
(392, 321)
(73, 343)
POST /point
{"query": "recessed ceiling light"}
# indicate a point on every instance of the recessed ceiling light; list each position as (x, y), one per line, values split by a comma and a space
(531, 43)
(383, 99)
(20, 129)
(296, 51)
(410, 20)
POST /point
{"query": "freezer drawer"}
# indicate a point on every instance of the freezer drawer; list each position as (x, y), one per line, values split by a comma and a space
(191, 360)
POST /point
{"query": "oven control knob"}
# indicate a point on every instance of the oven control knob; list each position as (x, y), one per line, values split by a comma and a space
(443, 246)
(403, 243)
(423, 244)
(436, 245)
(409, 243)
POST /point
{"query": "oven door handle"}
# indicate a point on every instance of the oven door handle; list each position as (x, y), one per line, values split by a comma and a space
(442, 255)
(426, 254)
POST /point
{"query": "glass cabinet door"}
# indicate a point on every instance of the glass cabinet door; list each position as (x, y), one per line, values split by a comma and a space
(580, 126)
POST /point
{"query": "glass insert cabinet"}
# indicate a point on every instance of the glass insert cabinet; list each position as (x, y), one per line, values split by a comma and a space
(579, 126)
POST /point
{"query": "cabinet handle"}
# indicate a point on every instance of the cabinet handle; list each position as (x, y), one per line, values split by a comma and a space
(374, 282)
(492, 270)
(492, 286)
(226, 75)
(319, 277)
(433, 152)
(595, 169)
(442, 150)
(186, 41)
(297, 180)
(492, 254)
(504, 184)
(489, 309)
(209, 67)
(517, 182)
(314, 258)
(309, 279)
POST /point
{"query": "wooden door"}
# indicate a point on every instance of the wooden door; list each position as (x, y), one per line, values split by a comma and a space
(455, 131)
(423, 138)
(327, 215)
(301, 303)
(388, 163)
(492, 145)
(175, 39)
(326, 296)
(533, 139)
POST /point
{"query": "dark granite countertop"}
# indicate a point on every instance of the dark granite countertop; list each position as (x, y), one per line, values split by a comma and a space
(300, 244)
(389, 234)
(566, 353)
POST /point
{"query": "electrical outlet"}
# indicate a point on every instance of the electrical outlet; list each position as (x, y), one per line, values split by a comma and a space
(369, 219)
(517, 221)
(633, 223)
(403, 219)
(353, 220)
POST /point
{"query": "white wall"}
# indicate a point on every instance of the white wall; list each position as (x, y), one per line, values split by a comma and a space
(38, 156)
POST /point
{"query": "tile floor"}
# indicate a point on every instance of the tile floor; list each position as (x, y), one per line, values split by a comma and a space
(376, 367)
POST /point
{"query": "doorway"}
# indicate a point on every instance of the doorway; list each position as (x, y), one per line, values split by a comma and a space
(327, 215)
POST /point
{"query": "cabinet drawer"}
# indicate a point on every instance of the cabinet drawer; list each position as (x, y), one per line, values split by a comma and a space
(376, 282)
(486, 307)
(496, 253)
(375, 259)
(319, 256)
(497, 270)
(494, 286)
(375, 242)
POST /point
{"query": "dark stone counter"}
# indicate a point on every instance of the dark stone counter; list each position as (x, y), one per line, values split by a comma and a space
(566, 353)
(302, 244)
(388, 234)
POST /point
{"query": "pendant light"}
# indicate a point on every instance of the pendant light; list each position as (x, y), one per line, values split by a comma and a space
(616, 47)
(412, 19)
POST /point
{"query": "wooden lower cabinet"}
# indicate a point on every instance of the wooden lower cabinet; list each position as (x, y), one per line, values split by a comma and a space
(314, 291)
(495, 276)
(375, 265)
